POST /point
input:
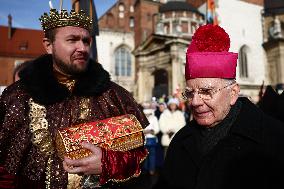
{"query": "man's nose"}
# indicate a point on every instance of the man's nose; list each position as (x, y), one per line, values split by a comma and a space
(81, 46)
(196, 100)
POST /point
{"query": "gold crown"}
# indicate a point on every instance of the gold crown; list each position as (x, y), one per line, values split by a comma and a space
(56, 20)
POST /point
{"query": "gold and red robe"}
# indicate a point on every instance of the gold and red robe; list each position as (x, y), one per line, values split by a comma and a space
(93, 97)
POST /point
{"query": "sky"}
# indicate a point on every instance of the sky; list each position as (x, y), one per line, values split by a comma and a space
(26, 13)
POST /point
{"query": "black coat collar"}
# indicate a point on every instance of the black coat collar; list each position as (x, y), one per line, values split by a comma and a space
(40, 82)
(248, 125)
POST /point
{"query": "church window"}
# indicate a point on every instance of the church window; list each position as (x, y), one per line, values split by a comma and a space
(243, 61)
(131, 22)
(131, 8)
(110, 21)
(184, 26)
(121, 9)
(122, 62)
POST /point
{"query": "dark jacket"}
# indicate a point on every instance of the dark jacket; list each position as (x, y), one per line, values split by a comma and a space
(250, 156)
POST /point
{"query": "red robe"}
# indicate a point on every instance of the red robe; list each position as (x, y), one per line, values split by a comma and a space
(24, 162)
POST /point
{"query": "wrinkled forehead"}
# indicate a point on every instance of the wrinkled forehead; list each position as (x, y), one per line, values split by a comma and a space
(72, 30)
(204, 83)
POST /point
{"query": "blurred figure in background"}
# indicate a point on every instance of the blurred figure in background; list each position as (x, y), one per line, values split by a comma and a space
(269, 101)
(171, 121)
(187, 112)
(151, 141)
(159, 148)
(18, 68)
(160, 109)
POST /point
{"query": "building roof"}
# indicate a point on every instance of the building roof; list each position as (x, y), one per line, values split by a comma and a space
(26, 43)
(177, 6)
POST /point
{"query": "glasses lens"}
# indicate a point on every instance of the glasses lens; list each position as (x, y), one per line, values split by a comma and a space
(205, 94)
(188, 94)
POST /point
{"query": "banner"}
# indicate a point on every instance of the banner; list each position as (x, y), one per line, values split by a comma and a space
(211, 17)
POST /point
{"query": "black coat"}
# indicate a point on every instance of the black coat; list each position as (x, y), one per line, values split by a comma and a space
(250, 156)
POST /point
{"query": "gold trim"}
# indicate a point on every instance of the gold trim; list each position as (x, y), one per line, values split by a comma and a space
(40, 135)
(68, 140)
(39, 128)
(57, 19)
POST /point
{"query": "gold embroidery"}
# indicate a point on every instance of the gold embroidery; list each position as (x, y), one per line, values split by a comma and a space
(85, 110)
(112, 133)
(74, 181)
(48, 173)
(69, 84)
(64, 79)
(40, 135)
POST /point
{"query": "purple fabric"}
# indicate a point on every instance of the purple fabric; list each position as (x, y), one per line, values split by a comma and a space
(211, 65)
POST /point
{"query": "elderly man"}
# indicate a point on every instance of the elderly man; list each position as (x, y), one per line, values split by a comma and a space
(230, 143)
(58, 90)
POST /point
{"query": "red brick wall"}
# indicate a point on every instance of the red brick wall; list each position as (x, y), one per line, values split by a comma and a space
(257, 2)
(7, 65)
(145, 12)
(111, 19)
(196, 3)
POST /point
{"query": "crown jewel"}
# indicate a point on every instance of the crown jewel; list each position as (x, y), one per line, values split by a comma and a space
(56, 20)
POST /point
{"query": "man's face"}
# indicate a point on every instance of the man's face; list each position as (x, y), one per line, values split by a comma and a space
(71, 49)
(209, 113)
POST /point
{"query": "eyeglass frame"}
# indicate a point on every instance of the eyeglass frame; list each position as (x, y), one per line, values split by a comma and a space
(212, 92)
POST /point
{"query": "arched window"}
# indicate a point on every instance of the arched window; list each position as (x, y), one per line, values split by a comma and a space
(243, 61)
(110, 20)
(122, 62)
(131, 22)
(121, 9)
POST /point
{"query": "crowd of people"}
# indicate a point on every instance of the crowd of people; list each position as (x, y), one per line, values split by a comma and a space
(166, 117)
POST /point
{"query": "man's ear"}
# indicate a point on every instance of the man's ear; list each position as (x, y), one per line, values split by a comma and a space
(47, 45)
(235, 90)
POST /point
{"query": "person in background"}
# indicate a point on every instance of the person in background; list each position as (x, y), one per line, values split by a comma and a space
(230, 143)
(18, 68)
(151, 140)
(159, 149)
(160, 109)
(171, 121)
(187, 112)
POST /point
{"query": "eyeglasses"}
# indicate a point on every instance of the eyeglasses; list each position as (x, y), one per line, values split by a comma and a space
(203, 93)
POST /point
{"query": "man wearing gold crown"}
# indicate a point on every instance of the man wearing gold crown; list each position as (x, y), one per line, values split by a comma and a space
(230, 143)
(57, 90)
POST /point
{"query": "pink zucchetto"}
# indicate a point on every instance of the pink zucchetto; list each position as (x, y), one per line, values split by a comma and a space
(207, 55)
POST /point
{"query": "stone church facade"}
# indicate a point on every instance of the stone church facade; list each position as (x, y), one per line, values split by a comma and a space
(273, 43)
(143, 43)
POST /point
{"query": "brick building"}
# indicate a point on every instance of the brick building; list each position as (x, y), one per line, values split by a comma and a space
(126, 30)
(16, 46)
(137, 37)
(142, 44)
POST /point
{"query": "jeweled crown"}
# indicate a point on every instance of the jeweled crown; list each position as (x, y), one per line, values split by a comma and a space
(62, 19)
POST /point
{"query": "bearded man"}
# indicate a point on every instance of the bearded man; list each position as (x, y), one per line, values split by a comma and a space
(57, 90)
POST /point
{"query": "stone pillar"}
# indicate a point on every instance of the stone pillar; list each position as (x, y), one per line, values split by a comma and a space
(275, 60)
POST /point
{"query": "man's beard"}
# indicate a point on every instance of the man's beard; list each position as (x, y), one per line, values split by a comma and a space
(69, 69)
